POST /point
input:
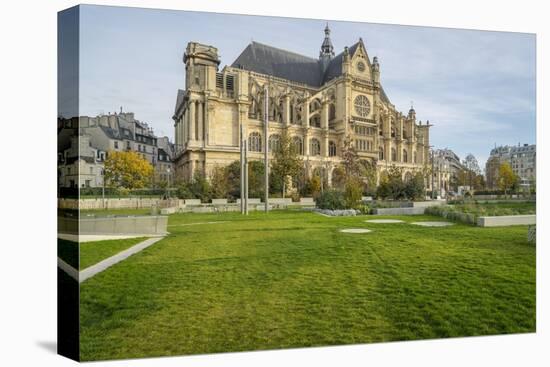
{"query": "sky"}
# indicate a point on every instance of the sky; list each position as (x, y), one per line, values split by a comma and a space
(476, 87)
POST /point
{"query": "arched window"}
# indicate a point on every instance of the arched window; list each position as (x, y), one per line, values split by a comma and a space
(315, 105)
(297, 145)
(315, 121)
(274, 142)
(393, 154)
(331, 112)
(314, 147)
(381, 153)
(405, 157)
(408, 177)
(255, 142)
(331, 149)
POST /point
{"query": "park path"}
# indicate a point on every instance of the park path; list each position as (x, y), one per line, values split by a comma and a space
(106, 263)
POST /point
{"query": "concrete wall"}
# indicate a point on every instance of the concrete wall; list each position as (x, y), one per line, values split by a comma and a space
(508, 220)
(123, 203)
(425, 204)
(399, 211)
(145, 225)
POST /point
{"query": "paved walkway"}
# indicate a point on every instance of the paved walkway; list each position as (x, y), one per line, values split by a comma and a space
(105, 264)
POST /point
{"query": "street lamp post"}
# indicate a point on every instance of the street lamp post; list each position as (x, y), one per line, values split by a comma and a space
(103, 187)
(266, 147)
(433, 189)
(168, 182)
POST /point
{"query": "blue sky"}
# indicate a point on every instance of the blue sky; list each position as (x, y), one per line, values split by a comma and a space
(476, 87)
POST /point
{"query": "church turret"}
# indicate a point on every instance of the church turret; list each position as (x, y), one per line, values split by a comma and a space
(412, 114)
(327, 50)
(375, 70)
(201, 64)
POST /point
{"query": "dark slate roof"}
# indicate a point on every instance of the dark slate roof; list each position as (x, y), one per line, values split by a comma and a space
(334, 68)
(284, 64)
(179, 99)
(111, 133)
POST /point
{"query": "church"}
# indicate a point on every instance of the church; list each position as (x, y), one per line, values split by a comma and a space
(321, 102)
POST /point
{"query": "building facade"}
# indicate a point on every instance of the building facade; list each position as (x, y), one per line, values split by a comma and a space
(522, 159)
(321, 102)
(94, 137)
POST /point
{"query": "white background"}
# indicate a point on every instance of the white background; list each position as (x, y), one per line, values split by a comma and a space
(28, 183)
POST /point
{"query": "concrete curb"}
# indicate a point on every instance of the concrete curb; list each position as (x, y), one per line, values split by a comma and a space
(107, 263)
(72, 272)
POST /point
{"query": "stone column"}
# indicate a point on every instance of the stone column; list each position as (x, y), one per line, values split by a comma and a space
(324, 116)
(206, 121)
(399, 151)
(306, 143)
(200, 119)
(387, 149)
(191, 120)
(305, 115)
(286, 111)
(325, 144)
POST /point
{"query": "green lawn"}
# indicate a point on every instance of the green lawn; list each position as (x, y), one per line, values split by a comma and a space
(291, 279)
(92, 252)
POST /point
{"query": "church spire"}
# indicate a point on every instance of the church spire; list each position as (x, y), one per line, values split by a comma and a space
(327, 50)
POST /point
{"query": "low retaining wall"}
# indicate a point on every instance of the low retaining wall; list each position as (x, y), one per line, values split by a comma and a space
(425, 204)
(398, 211)
(507, 220)
(145, 225)
(122, 203)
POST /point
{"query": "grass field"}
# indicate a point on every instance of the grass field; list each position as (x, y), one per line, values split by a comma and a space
(291, 279)
(92, 252)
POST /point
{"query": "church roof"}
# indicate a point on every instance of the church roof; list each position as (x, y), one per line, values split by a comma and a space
(269, 60)
(334, 68)
(280, 63)
(179, 99)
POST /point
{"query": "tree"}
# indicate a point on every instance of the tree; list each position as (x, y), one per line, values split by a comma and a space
(338, 178)
(414, 188)
(395, 182)
(200, 187)
(255, 179)
(286, 162)
(368, 171)
(353, 192)
(219, 182)
(507, 179)
(471, 170)
(127, 170)
(350, 159)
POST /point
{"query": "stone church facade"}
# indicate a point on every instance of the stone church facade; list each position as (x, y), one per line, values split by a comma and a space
(320, 101)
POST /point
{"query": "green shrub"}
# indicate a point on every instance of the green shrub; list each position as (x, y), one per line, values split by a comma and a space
(331, 199)
(353, 193)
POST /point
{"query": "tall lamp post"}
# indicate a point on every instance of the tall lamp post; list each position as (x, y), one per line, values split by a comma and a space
(103, 187)
(168, 182)
(266, 147)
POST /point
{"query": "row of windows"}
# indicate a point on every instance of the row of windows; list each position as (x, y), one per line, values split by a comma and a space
(363, 145)
(255, 144)
(405, 156)
(364, 130)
